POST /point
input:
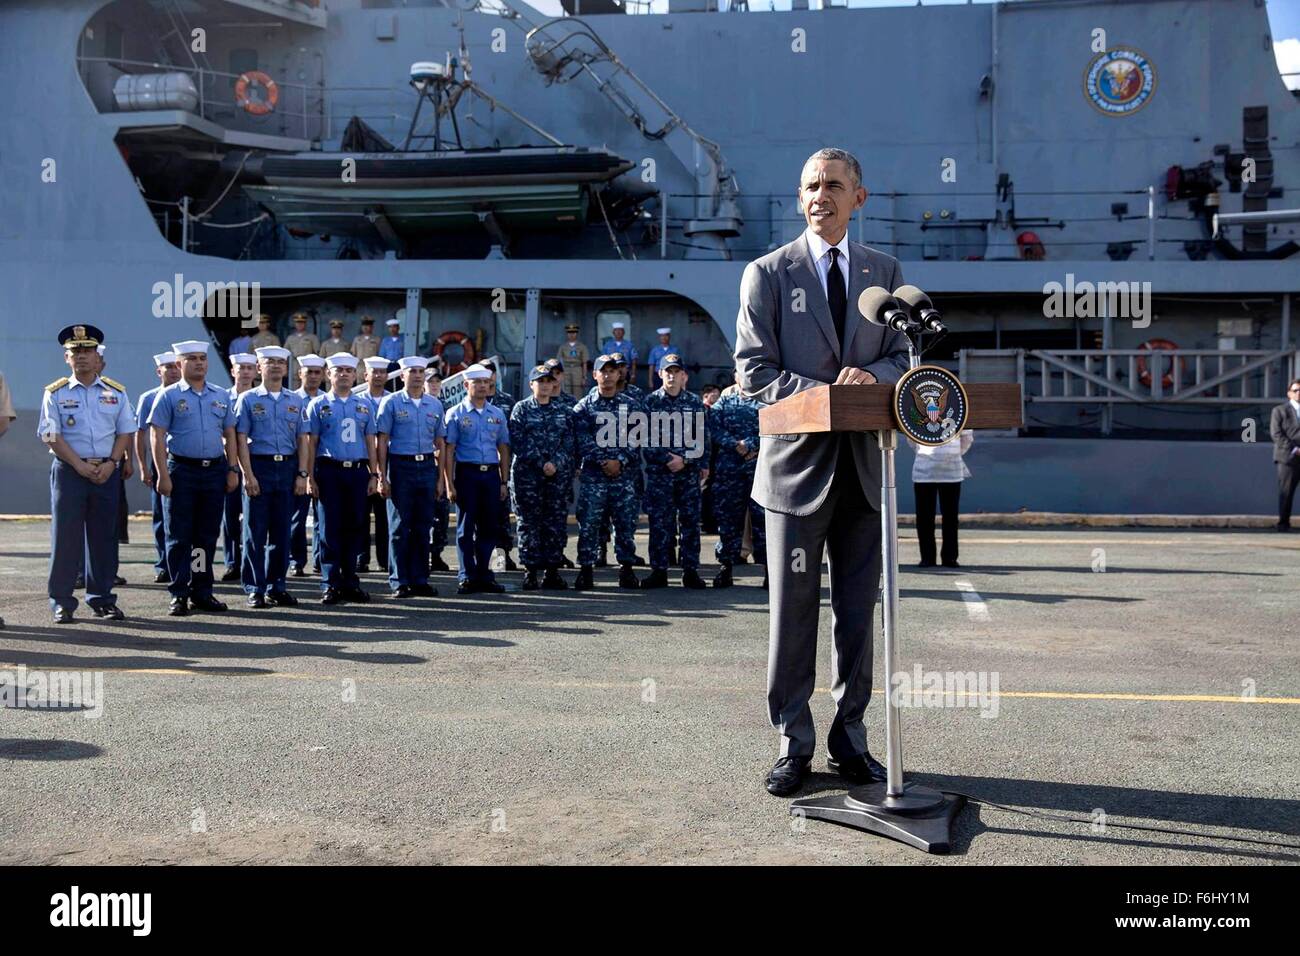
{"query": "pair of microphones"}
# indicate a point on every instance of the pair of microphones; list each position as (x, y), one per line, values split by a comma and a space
(908, 309)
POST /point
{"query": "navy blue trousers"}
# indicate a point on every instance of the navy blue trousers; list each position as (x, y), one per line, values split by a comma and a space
(478, 523)
(83, 528)
(266, 526)
(410, 517)
(159, 535)
(342, 510)
(231, 533)
(192, 520)
(298, 530)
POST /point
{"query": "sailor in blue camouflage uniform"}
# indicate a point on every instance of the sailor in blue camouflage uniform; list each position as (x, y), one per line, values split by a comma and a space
(560, 392)
(193, 439)
(504, 401)
(311, 373)
(268, 421)
(673, 473)
(410, 446)
(607, 491)
(441, 503)
(477, 474)
(638, 396)
(88, 422)
(541, 476)
(733, 423)
(169, 373)
(337, 450)
(243, 369)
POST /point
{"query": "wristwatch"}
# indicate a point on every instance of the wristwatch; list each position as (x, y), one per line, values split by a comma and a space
(302, 474)
(233, 469)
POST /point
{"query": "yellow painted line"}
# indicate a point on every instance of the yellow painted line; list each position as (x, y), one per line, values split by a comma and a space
(602, 685)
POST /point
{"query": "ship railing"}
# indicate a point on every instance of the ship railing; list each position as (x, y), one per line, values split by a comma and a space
(1138, 376)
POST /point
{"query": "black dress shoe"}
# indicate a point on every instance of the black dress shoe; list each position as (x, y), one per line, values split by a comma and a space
(723, 578)
(424, 590)
(567, 564)
(466, 587)
(627, 577)
(179, 607)
(118, 580)
(281, 599)
(402, 592)
(208, 603)
(230, 574)
(1283, 528)
(298, 572)
(925, 564)
(530, 581)
(63, 615)
(356, 595)
(162, 577)
(951, 564)
(80, 583)
(315, 568)
(691, 579)
(510, 563)
(363, 569)
(584, 581)
(109, 612)
(490, 587)
(256, 601)
(657, 578)
(639, 561)
(787, 776)
(437, 564)
(551, 581)
(331, 596)
(858, 769)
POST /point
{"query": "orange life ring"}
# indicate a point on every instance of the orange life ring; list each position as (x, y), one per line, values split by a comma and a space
(1144, 373)
(256, 79)
(456, 338)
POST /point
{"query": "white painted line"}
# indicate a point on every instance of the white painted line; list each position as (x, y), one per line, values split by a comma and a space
(975, 606)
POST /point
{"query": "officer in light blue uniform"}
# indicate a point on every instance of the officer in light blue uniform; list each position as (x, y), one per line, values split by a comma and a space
(169, 373)
(337, 448)
(87, 421)
(193, 437)
(410, 428)
(268, 421)
(311, 372)
(477, 472)
(243, 370)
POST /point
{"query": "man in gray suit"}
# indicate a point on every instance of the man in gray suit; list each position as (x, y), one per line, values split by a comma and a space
(1284, 427)
(799, 327)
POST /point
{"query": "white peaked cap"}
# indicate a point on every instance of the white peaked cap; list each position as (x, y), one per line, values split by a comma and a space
(412, 361)
(187, 348)
(341, 360)
(272, 352)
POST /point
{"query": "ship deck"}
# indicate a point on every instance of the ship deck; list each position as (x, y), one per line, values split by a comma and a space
(631, 726)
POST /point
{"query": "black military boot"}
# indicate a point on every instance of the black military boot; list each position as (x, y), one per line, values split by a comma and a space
(627, 577)
(723, 578)
(567, 563)
(437, 564)
(658, 578)
(583, 581)
(551, 581)
(530, 580)
(603, 562)
(691, 579)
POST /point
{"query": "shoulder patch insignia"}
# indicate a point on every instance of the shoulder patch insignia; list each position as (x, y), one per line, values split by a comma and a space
(56, 385)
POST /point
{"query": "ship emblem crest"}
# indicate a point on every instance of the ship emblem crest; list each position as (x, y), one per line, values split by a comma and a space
(1119, 81)
(930, 405)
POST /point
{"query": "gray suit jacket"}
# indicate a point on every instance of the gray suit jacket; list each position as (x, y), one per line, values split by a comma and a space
(1284, 428)
(781, 350)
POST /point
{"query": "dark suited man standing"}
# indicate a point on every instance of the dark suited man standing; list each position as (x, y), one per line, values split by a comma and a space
(1284, 426)
(799, 327)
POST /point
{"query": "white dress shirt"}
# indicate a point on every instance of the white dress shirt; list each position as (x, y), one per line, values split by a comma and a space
(942, 463)
(819, 250)
(1294, 404)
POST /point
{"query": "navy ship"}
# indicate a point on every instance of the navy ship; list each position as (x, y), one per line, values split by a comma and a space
(1100, 196)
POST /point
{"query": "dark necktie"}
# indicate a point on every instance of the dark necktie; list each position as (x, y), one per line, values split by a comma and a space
(835, 294)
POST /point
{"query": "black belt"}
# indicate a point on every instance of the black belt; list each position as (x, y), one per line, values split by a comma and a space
(289, 457)
(343, 463)
(198, 462)
(470, 464)
(428, 457)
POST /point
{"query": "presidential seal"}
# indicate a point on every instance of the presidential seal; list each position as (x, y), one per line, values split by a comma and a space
(930, 405)
(1119, 81)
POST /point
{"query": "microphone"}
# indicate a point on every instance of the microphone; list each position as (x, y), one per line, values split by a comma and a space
(921, 309)
(880, 308)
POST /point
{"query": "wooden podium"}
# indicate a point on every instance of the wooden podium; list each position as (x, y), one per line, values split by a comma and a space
(919, 816)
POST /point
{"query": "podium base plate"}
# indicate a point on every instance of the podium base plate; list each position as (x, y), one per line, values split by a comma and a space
(921, 817)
